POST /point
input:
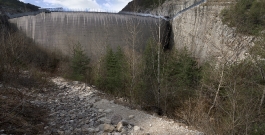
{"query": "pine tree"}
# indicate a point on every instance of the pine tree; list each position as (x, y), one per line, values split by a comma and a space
(116, 72)
(79, 63)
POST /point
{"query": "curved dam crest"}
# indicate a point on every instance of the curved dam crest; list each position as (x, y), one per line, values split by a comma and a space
(94, 31)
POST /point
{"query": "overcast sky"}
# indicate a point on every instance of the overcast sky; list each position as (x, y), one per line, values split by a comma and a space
(109, 5)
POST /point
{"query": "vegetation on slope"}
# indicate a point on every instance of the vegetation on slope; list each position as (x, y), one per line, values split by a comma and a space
(136, 5)
(248, 16)
(23, 69)
(239, 95)
(150, 3)
(17, 6)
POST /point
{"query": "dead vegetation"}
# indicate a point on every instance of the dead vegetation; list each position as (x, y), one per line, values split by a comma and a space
(18, 115)
(24, 69)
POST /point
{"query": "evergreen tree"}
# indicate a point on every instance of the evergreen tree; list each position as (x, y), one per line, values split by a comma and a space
(115, 75)
(79, 63)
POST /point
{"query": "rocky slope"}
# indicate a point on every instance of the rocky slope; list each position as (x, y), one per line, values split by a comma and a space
(76, 108)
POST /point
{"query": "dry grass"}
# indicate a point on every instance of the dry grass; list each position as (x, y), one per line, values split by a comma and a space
(24, 68)
(18, 116)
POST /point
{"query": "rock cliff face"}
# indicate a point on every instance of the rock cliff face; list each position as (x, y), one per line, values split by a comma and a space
(201, 31)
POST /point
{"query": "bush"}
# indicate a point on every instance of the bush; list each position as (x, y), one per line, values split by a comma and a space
(236, 110)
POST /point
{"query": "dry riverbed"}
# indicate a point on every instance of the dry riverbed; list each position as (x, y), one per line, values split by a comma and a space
(75, 108)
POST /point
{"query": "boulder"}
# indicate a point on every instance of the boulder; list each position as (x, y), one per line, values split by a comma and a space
(131, 116)
(105, 120)
(108, 111)
(121, 125)
(136, 128)
(115, 119)
(108, 128)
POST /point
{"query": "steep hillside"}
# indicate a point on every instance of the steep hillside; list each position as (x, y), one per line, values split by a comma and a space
(163, 7)
(142, 5)
(16, 6)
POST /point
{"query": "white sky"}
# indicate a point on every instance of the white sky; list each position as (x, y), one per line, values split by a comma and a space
(104, 5)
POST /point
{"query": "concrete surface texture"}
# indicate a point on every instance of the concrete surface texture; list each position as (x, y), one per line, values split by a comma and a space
(94, 31)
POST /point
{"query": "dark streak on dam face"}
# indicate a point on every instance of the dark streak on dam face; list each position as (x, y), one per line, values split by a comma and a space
(94, 31)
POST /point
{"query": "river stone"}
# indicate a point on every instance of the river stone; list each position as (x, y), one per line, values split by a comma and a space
(105, 120)
(108, 111)
(108, 128)
(115, 119)
(136, 128)
(121, 125)
(131, 116)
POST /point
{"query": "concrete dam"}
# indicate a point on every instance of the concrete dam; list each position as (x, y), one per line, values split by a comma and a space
(94, 31)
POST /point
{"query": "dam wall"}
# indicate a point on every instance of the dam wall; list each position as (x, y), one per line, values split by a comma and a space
(94, 31)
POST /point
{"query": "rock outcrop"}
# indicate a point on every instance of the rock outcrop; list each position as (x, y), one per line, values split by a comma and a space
(201, 31)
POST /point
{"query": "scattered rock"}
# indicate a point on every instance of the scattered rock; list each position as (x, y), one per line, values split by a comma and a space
(124, 131)
(108, 128)
(136, 128)
(78, 130)
(101, 127)
(116, 133)
(72, 112)
(108, 111)
(115, 119)
(121, 125)
(60, 132)
(129, 126)
(90, 130)
(131, 116)
(105, 120)
(75, 82)
(100, 110)
(62, 87)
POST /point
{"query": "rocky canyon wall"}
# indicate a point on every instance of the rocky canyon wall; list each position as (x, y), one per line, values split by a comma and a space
(201, 31)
